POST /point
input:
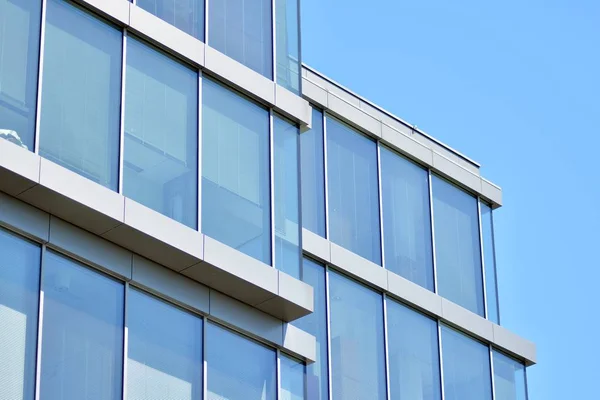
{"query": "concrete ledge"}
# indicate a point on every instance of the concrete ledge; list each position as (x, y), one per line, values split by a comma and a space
(418, 297)
(468, 321)
(293, 106)
(458, 174)
(114, 10)
(24, 219)
(297, 292)
(515, 345)
(407, 145)
(299, 343)
(316, 245)
(19, 168)
(492, 192)
(358, 267)
(356, 117)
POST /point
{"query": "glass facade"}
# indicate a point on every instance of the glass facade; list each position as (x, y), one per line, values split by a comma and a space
(406, 218)
(187, 15)
(288, 44)
(457, 249)
(19, 69)
(510, 381)
(161, 134)
(81, 93)
(357, 342)
(236, 200)
(313, 176)
(353, 191)
(293, 374)
(489, 261)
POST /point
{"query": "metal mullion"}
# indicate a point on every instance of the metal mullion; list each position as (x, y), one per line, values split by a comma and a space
(299, 47)
(493, 381)
(441, 358)
(495, 269)
(526, 383)
(125, 339)
(272, 185)
(40, 323)
(325, 167)
(300, 224)
(483, 280)
(386, 347)
(206, 5)
(199, 160)
(38, 102)
(204, 362)
(274, 39)
(328, 316)
(122, 110)
(432, 227)
(380, 196)
(278, 373)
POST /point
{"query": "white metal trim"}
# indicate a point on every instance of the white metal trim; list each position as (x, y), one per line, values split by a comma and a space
(125, 338)
(199, 159)
(481, 257)
(278, 374)
(328, 315)
(432, 226)
(204, 361)
(326, 176)
(272, 184)
(206, 4)
(40, 326)
(122, 111)
(493, 380)
(441, 358)
(274, 39)
(38, 101)
(380, 198)
(386, 347)
(495, 265)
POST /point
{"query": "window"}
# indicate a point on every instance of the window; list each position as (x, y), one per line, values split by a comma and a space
(353, 191)
(82, 337)
(509, 378)
(466, 364)
(19, 69)
(287, 185)
(489, 260)
(19, 288)
(187, 15)
(357, 348)
(313, 176)
(81, 93)
(413, 354)
(236, 204)
(161, 134)
(242, 30)
(406, 218)
(457, 251)
(292, 379)
(316, 325)
(238, 368)
(288, 44)
(164, 352)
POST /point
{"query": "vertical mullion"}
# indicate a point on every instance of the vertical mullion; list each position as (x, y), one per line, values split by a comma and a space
(493, 381)
(122, 122)
(204, 362)
(432, 226)
(299, 173)
(272, 184)
(38, 105)
(199, 166)
(278, 374)
(328, 316)
(386, 347)
(125, 339)
(483, 280)
(299, 22)
(274, 39)
(493, 244)
(206, 5)
(441, 358)
(379, 192)
(325, 167)
(40, 323)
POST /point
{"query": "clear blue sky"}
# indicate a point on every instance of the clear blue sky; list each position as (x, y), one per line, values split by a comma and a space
(515, 85)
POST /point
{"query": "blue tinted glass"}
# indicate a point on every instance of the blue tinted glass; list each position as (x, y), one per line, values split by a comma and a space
(235, 171)
(241, 29)
(457, 248)
(406, 219)
(509, 378)
(316, 325)
(81, 93)
(288, 44)
(19, 288)
(19, 69)
(489, 259)
(187, 15)
(161, 134)
(287, 186)
(413, 354)
(293, 375)
(466, 364)
(82, 337)
(238, 368)
(353, 191)
(357, 349)
(313, 176)
(164, 350)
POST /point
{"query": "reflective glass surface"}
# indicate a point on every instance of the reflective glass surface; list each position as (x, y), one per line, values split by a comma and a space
(353, 191)
(287, 187)
(406, 218)
(19, 69)
(288, 44)
(19, 288)
(187, 15)
(82, 336)
(238, 368)
(161, 133)
(235, 171)
(357, 346)
(313, 176)
(457, 250)
(316, 325)
(164, 350)
(489, 259)
(413, 354)
(81, 93)
(466, 364)
(509, 378)
(241, 29)
(293, 374)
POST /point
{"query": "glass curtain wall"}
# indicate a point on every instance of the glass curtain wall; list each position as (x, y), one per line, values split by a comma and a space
(509, 378)
(313, 175)
(187, 15)
(293, 374)
(489, 261)
(288, 44)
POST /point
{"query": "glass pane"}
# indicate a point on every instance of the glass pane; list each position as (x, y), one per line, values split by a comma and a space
(81, 93)
(509, 378)
(406, 219)
(287, 186)
(313, 176)
(489, 257)
(457, 246)
(236, 204)
(293, 375)
(316, 325)
(466, 364)
(82, 338)
(19, 69)
(19, 293)
(187, 15)
(161, 134)
(357, 349)
(165, 350)
(413, 354)
(288, 44)
(241, 29)
(353, 191)
(238, 368)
